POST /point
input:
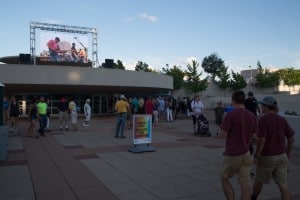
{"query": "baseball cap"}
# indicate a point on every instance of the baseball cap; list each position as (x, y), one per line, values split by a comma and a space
(122, 96)
(269, 101)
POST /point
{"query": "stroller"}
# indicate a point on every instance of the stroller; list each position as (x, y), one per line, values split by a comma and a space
(203, 127)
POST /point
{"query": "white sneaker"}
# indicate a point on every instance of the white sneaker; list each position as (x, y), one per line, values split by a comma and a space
(84, 124)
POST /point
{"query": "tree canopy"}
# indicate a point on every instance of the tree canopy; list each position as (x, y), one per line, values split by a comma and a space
(212, 64)
(266, 79)
(290, 76)
(194, 84)
(177, 75)
(119, 65)
(141, 66)
(237, 82)
(224, 77)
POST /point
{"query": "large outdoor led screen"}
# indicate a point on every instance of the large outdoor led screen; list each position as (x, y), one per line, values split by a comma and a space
(63, 47)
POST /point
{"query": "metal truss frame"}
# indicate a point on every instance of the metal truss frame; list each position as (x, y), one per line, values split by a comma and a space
(67, 29)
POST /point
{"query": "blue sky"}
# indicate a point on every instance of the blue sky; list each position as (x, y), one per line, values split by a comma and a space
(160, 32)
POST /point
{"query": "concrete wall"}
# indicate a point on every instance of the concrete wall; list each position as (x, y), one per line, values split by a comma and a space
(213, 94)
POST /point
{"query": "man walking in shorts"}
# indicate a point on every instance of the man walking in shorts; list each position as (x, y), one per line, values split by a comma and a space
(239, 127)
(272, 151)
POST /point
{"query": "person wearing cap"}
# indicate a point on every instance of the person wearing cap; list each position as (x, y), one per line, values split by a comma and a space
(121, 107)
(197, 108)
(272, 151)
(239, 127)
(251, 104)
(87, 112)
(53, 48)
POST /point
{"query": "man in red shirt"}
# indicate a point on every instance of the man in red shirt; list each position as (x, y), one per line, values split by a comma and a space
(53, 49)
(239, 128)
(272, 150)
(149, 107)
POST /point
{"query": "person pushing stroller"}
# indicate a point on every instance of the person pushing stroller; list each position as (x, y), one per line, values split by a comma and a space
(197, 108)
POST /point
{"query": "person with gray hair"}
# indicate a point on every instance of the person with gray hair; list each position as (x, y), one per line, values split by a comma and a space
(273, 149)
(121, 107)
(87, 112)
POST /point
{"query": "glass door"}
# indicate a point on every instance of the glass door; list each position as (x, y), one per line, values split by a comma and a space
(100, 104)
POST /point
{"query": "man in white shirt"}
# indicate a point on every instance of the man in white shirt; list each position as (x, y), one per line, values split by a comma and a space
(87, 112)
(161, 108)
(197, 107)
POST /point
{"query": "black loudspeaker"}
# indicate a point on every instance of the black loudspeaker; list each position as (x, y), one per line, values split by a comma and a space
(24, 58)
(109, 63)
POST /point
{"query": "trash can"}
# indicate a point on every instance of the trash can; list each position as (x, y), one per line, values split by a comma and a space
(3, 143)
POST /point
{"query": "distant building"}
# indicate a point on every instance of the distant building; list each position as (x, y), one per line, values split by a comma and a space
(249, 75)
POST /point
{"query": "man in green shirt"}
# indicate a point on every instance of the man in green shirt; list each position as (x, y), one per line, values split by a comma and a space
(42, 115)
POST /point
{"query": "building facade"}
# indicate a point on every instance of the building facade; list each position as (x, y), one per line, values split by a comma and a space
(101, 85)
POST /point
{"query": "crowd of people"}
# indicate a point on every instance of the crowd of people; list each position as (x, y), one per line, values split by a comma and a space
(39, 115)
(254, 132)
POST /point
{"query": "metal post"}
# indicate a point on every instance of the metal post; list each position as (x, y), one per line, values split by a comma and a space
(250, 75)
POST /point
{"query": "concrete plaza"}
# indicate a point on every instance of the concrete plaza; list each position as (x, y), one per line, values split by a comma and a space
(91, 164)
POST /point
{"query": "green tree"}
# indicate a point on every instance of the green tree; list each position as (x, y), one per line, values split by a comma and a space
(290, 76)
(194, 84)
(212, 64)
(266, 79)
(224, 77)
(177, 75)
(119, 65)
(141, 66)
(237, 82)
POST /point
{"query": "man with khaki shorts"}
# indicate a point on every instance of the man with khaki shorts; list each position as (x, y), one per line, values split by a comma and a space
(272, 152)
(239, 128)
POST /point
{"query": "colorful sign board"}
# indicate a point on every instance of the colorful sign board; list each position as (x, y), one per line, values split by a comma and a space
(142, 129)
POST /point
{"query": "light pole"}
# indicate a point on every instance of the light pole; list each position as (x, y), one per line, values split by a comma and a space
(250, 74)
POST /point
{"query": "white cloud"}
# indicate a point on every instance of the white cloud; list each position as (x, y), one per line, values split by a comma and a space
(148, 17)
